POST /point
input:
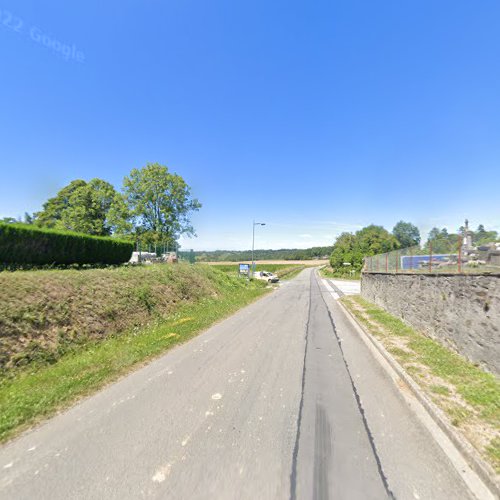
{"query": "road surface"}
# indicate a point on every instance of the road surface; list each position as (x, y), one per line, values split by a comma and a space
(280, 401)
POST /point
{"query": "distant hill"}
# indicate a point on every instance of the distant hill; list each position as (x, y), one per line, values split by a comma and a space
(282, 254)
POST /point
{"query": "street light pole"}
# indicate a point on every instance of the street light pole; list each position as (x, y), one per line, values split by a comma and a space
(253, 242)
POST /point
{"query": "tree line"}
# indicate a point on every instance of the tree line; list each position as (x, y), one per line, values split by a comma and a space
(281, 254)
(153, 206)
(350, 248)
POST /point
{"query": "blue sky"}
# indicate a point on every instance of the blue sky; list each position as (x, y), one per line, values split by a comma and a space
(315, 117)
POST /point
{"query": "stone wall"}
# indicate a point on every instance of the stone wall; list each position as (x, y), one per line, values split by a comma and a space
(461, 311)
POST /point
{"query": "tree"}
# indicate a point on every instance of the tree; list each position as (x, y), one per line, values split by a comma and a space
(435, 233)
(373, 240)
(407, 234)
(344, 251)
(159, 203)
(84, 207)
(51, 214)
(352, 248)
(442, 241)
(28, 219)
(481, 236)
(9, 220)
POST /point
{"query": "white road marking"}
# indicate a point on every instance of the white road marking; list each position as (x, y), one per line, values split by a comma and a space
(347, 287)
(162, 473)
(332, 292)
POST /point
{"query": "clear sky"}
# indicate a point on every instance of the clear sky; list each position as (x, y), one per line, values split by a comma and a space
(313, 116)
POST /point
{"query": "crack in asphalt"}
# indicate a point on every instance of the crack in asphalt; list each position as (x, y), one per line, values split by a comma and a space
(360, 406)
(293, 474)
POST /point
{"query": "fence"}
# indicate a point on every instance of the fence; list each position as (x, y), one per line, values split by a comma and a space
(451, 258)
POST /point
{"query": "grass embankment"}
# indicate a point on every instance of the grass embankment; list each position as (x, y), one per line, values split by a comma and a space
(90, 327)
(468, 395)
(283, 271)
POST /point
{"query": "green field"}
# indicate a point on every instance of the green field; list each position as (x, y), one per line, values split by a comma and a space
(283, 271)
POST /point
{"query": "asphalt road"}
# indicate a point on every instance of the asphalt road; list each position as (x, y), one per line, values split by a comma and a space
(281, 401)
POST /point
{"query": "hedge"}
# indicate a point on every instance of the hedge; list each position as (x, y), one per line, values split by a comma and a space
(24, 244)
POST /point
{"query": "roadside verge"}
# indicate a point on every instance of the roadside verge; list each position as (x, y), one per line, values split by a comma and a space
(195, 299)
(459, 397)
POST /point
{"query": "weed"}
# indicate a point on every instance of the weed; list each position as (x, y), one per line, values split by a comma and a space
(440, 389)
(493, 451)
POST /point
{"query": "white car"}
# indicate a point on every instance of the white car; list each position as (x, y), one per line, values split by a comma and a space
(266, 276)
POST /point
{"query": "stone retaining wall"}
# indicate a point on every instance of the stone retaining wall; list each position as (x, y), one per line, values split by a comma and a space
(461, 311)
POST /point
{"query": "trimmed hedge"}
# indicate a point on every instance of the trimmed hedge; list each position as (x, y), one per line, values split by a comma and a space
(23, 244)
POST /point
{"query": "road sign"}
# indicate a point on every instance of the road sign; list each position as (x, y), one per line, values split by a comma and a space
(245, 269)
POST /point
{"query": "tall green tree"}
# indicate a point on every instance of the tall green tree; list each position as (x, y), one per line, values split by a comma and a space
(407, 234)
(28, 218)
(81, 206)
(344, 250)
(51, 214)
(482, 236)
(373, 240)
(442, 241)
(352, 248)
(159, 202)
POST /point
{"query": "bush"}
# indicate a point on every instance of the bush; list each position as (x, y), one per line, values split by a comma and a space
(22, 244)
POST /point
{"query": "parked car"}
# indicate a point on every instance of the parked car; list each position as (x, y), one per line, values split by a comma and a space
(266, 276)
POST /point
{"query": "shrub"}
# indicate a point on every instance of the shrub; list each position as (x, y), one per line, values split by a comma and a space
(22, 244)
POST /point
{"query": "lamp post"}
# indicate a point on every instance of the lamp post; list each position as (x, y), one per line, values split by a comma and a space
(253, 241)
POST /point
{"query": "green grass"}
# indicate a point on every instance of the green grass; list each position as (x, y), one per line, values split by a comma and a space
(47, 312)
(478, 389)
(38, 390)
(289, 272)
(493, 451)
(283, 271)
(401, 353)
(344, 274)
(227, 268)
(440, 389)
